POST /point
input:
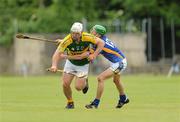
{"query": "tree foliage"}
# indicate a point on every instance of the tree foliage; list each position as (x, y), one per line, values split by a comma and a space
(55, 16)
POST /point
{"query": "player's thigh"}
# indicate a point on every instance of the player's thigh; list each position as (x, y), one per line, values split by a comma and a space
(67, 78)
(105, 74)
(80, 82)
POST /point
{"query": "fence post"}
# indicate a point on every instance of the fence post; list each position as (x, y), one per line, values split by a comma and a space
(173, 39)
(84, 22)
(149, 39)
(144, 22)
(162, 39)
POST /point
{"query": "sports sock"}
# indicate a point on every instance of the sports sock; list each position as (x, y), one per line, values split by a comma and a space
(70, 101)
(96, 102)
(122, 98)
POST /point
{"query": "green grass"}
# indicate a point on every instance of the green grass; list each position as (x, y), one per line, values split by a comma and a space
(40, 99)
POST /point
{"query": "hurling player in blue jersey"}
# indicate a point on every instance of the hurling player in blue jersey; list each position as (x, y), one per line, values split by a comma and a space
(117, 62)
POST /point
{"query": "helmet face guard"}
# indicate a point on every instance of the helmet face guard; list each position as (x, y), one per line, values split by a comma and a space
(76, 30)
(101, 30)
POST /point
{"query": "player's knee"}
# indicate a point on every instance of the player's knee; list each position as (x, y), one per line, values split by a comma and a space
(100, 79)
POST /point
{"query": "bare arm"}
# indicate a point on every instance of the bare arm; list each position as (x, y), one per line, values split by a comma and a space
(76, 57)
(57, 56)
(100, 44)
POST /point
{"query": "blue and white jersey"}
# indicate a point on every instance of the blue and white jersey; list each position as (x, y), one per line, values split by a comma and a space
(111, 52)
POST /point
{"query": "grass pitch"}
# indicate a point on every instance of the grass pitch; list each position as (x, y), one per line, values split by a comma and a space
(40, 99)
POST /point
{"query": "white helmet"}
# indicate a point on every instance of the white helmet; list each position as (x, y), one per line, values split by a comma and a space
(77, 27)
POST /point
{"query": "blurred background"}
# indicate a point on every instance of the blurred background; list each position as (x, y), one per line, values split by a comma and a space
(147, 31)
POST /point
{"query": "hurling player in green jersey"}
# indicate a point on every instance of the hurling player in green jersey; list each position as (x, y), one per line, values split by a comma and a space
(75, 43)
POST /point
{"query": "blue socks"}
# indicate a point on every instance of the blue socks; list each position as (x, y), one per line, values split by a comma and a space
(96, 102)
(122, 98)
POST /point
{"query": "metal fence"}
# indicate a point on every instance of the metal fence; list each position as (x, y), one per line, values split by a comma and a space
(161, 38)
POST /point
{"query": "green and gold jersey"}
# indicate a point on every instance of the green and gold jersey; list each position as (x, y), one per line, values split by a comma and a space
(76, 48)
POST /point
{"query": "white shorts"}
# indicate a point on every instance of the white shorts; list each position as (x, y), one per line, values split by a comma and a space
(118, 67)
(79, 71)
